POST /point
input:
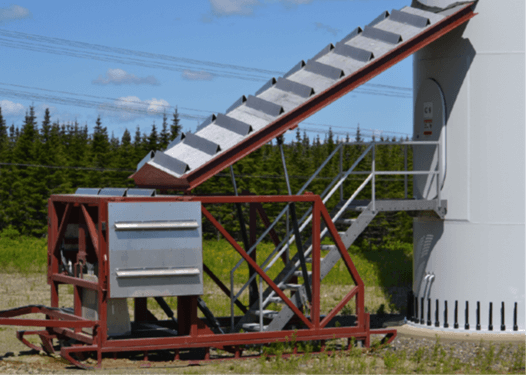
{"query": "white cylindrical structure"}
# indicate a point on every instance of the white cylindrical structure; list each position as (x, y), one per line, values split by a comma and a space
(469, 89)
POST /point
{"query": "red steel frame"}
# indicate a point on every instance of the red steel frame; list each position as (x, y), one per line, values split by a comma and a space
(192, 331)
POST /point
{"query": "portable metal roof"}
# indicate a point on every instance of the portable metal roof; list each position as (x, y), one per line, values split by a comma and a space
(282, 103)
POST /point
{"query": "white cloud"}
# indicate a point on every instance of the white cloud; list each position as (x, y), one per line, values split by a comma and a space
(12, 109)
(223, 8)
(121, 77)
(13, 13)
(327, 28)
(230, 7)
(130, 108)
(193, 75)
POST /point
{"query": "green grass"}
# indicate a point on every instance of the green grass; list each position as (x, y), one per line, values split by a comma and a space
(374, 264)
(20, 253)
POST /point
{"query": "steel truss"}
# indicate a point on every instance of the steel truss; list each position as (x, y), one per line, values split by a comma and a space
(91, 214)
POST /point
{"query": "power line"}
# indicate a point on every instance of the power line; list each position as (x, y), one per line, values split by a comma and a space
(35, 39)
(120, 105)
(124, 51)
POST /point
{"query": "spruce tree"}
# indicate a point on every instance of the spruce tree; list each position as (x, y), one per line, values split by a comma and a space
(164, 137)
(358, 137)
(3, 135)
(153, 139)
(175, 128)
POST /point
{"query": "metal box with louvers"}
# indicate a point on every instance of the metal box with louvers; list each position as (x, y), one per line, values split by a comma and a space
(155, 249)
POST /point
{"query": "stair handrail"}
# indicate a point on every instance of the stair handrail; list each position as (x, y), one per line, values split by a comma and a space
(267, 231)
(323, 232)
(306, 220)
(307, 216)
(370, 177)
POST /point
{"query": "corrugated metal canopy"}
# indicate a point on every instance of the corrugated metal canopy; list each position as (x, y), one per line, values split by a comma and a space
(282, 103)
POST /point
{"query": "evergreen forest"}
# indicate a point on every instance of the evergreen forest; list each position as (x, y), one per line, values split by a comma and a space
(42, 158)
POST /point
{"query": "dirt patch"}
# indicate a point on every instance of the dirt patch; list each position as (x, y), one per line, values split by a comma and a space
(18, 289)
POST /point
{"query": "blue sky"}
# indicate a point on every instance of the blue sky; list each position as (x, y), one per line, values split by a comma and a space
(200, 56)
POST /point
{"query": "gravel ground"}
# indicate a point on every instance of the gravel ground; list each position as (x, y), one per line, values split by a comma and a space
(17, 290)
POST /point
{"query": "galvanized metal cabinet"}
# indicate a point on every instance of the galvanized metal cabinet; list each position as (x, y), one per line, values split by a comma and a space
(155, 249)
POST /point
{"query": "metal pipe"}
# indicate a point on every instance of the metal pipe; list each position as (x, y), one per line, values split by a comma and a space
(422, 310)
(405, 170)
(341, 173)
(455, 325)
(502, 320)
(446, 324)
(415, 317)
(373, 182)
(410, 301)
(478, 315)
(437, 323)
(260, 304)
(515, 326)
(253, 286)
(466, 324)
(280, 145)
(397, 172)
(490, 326)
(429, 311)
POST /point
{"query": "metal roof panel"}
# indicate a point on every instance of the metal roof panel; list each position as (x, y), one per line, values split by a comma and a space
(353, 52)
(256, 118)
(169, 163)
(317, 82)
(332, 73)
(382, 35)
(432, 17)
(189, 155)
(348, 65)
(409, 19)
(201, 143)
(236, 126)
(222, 136)
(397, 28)
(286, 99)
(377, 47)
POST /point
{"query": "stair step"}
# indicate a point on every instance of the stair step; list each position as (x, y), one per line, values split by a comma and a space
(300, 274)
(270, 314)
(290, 286)
(327, 247)
(309, 260)
(355, 205)
(275, 300)
(253, 327)
(345, 221)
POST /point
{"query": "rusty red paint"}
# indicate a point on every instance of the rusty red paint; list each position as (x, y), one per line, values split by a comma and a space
(194, 333)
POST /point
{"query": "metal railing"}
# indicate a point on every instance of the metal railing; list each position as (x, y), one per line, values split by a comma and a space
(335, 185)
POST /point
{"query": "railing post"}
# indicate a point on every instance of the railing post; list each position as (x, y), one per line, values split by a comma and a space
(439, 176)
(341, 173)
(405, 169)
(373, 181)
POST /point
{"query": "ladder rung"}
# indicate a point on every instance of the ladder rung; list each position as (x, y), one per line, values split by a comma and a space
(254, 327)
(327, 247)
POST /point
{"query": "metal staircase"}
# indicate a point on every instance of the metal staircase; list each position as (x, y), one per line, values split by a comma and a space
(259, 317)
